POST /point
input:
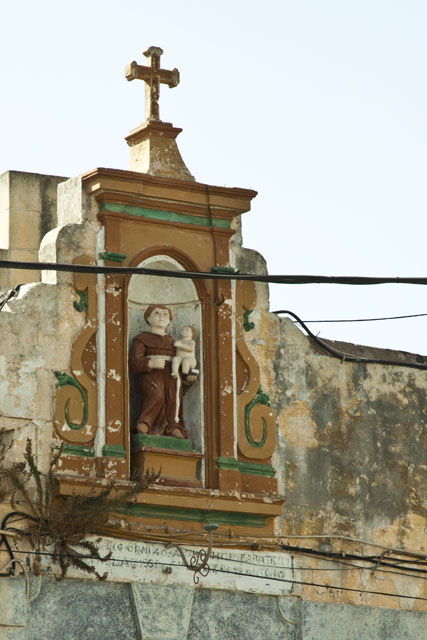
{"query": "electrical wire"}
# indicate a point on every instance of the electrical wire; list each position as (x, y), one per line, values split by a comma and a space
(351, 566)
(376, 560)
(10, 294)
(152, 563)
(162, 533)
(27, 578)
(335, 557)
(204, 275)
(347, 357)
(333, 536)
(165, 536)
(278, 279)
(327, 556)
(9, 550)
(413, 315)
(338, 557)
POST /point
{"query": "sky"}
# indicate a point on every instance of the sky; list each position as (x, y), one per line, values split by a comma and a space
(320, 106)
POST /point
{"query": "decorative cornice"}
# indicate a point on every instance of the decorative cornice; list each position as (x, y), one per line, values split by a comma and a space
(168, 216)
(203, 499)
(254, 468)
(195, 515)
(152, 128)
(136, 189)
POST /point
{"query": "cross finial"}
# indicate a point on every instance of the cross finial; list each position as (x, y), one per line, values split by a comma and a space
(152, 75)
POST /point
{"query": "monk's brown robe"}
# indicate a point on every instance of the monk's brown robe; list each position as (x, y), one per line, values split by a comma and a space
(157, 388)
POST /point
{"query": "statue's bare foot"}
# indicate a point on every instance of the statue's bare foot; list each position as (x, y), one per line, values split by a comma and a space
(176, 433)
(142, 427)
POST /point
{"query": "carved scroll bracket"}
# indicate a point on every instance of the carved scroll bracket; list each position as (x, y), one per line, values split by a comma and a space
(256, 423)
(76, 411)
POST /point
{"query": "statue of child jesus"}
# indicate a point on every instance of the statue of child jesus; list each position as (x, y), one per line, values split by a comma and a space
(185, 355)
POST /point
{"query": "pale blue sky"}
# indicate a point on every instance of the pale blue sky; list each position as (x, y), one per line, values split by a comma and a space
(320, 105)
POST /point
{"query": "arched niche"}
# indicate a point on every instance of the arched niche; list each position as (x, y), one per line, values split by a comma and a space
(180, 295)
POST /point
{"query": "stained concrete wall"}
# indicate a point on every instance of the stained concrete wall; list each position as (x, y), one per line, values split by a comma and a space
(352, 437)
(353, 442)
(76, 609)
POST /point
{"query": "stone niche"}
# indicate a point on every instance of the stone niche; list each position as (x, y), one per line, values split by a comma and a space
(182, 461)
(222, 473)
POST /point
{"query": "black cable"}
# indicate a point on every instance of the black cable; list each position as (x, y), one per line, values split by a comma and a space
(328, 556)
(11, 294)
(204, 275)
(339, 557)
(237, 573)
(377, 561)
(414, 315)
(347, 357)
(5, 541)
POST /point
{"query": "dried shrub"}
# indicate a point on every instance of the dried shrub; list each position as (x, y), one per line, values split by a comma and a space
(60, 525)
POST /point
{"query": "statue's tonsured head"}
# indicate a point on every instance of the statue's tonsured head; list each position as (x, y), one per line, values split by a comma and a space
(149, 310)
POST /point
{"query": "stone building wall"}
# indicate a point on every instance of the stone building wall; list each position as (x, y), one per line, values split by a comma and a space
(27, 212)
(351, 464)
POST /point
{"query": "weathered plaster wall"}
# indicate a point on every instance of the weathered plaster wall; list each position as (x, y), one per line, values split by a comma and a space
(37, 329)
(353, 443)
(39, 325)
(350, 460)
(352, 436)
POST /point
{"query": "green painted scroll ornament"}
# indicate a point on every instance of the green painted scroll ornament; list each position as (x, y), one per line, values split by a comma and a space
(247, 325)
(259, 398)
(81, 305)
(64, 379)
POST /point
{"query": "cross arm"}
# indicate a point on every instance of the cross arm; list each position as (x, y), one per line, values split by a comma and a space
(134, 71)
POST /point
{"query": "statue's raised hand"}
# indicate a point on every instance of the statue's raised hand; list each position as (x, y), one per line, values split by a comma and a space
(157, 362)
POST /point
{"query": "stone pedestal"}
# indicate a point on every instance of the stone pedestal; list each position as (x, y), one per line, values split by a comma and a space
(153, 150)
(172, 457)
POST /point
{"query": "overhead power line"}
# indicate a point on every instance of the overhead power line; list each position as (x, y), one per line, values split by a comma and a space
(246, 573)
(413, 315)
(204, 275)
(78, 268)
(348, 357)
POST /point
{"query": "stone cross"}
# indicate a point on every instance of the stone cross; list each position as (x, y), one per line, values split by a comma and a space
(152, 75)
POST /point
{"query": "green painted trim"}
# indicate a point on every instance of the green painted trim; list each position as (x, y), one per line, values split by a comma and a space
(82, 303)
(64, 379)
(77, 450)
(195, 515)
(168, 216)
(113, 256)
(254, 468)
(248, 326)
(262, 398)
(225, 270)
(113, 451)
(160, 442)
